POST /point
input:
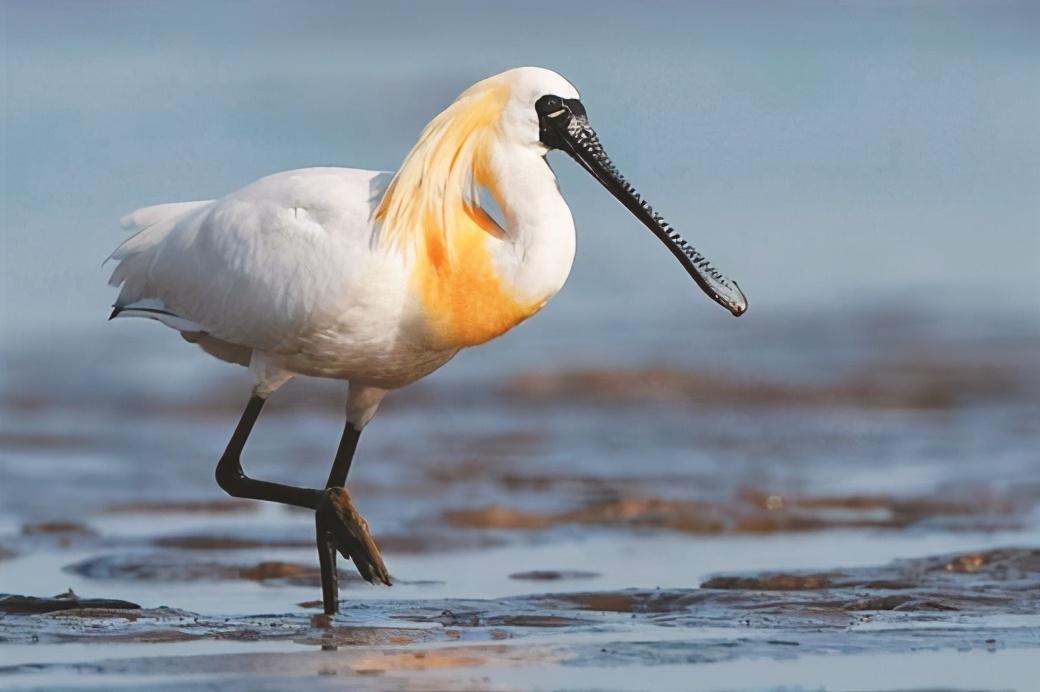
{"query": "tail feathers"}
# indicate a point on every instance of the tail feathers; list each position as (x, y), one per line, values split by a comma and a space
(136, 253)
(155, 310)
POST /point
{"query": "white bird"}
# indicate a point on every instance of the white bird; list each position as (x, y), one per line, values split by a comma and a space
(379, 278)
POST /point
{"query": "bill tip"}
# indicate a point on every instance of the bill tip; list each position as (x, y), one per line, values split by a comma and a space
(738, 304)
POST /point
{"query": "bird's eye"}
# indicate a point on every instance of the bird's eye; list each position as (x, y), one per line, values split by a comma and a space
(549, 105)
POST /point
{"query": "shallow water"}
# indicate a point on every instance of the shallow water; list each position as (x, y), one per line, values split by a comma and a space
(854, 507)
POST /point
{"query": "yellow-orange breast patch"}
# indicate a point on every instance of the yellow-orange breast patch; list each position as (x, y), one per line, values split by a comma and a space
(464, 299)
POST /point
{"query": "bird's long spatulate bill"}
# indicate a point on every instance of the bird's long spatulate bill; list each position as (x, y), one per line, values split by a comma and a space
(579, 140)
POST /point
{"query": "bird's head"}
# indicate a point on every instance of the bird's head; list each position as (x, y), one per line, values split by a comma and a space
(543, 110)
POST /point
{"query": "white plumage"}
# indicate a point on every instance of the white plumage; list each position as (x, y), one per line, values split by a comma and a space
(258, 266)
(281, 275)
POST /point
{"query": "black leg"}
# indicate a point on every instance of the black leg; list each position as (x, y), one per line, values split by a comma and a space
(327, 562)
(344, 455)
(338, 524)
(326, 541)
(236, 483)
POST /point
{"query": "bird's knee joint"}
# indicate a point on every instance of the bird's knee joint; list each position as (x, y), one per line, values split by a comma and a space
(229, 478)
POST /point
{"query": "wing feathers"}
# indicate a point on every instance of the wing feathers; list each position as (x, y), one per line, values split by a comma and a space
(148, 216)
(150, 226)
(258, 267)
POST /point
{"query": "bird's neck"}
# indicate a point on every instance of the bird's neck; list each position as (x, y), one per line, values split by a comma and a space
(535, 256)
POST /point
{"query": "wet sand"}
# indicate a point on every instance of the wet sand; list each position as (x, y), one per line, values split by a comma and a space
(872, 524)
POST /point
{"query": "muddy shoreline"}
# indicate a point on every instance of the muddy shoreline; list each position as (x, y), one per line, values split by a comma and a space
(613, 525)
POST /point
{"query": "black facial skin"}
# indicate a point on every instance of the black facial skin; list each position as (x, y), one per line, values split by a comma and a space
(564, 125)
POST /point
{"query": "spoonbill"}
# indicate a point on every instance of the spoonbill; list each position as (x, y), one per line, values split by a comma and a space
(379, 278)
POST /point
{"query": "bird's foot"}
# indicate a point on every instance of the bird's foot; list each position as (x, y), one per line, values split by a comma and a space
(349, 532)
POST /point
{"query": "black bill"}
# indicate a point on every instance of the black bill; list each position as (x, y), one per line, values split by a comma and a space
(565, 126)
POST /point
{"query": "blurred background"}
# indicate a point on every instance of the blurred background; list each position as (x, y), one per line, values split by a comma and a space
(828, 155)
(869, 172)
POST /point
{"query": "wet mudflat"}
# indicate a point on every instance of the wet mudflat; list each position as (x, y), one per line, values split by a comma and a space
(863, 514)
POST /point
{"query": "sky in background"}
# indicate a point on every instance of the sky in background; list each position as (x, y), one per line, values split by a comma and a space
(823, 154)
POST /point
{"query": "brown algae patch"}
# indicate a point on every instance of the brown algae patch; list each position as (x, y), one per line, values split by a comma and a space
(553, 575)
(186, 507)
(425, 542)
(617, 602)
(223, 542)
(997, 582)
(11, 440)
(754, 512)
(53, 533)
(1005, 563)
(772, 582)
(972, 562)
(64, 528)
(173, 567)
(925, 385)
(496, 517)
